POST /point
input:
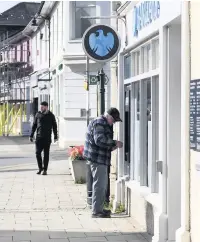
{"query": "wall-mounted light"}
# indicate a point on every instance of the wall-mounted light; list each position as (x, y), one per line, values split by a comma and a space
(34, 24)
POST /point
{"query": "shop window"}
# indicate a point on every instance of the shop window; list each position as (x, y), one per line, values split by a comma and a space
(155, 54)
(135, 157)
(127, 66)
(82, 9)
(136, 63)
(146, 58)
(144, 145)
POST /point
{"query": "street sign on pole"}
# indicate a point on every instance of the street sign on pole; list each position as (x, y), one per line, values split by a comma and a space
(101, 43)
(93, 80)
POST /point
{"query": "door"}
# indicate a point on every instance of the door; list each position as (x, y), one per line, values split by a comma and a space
(127, 129)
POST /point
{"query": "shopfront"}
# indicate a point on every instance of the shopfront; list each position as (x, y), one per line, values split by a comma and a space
(150, 101)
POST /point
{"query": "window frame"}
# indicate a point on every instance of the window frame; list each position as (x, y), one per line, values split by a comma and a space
(141, 173)
(73, 18)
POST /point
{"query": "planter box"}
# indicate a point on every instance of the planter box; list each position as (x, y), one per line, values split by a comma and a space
(78, 171)
(70, 166)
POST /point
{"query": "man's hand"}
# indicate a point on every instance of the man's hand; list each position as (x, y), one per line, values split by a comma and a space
(119, 144)
(114, 148)
(31, 139)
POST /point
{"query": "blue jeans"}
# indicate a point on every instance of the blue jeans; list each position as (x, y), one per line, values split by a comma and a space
(100, 183)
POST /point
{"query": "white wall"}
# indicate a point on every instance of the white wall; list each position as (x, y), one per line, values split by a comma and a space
(194, 155)
(39, 48)
(168, 11)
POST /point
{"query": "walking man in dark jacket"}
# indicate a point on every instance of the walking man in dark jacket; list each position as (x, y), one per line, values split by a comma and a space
(43, 124)
(97, 150)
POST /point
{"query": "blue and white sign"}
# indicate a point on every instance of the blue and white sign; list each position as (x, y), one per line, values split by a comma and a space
(144, 14)
(101, 43)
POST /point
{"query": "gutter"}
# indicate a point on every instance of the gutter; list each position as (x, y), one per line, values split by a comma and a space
(41, 6)
(123, 7)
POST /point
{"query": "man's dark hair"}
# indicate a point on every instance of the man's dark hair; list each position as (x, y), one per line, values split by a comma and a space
(44, 104)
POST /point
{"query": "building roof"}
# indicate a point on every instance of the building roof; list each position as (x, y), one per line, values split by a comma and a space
(19, 15)
(45, 10)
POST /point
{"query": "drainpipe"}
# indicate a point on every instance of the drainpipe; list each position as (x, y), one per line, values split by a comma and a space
(183, 233)
(49, 20)
(28, 94)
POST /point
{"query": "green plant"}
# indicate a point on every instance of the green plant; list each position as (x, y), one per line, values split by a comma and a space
(120, 209)
(108, 206)
(81, 181)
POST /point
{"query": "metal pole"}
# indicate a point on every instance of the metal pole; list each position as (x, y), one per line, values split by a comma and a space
(102, 91)
(88, 170)
(87, 95)
(102, 111)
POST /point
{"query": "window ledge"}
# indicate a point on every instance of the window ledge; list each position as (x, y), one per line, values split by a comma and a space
(152, 198)
(75, 41)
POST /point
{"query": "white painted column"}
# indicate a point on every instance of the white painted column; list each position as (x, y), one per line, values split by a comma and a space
(121, 110)
(120, 185)
(113, 83)
(183, 233)
(160, 219)
(174, 130)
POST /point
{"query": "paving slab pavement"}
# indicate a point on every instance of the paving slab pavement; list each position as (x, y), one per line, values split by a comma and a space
(53, 209)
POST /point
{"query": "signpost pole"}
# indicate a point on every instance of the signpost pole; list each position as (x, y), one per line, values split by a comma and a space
(88, 171)
(102, 91)
(87, 95)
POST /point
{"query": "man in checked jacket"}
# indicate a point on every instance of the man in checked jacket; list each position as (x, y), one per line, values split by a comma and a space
(97, 150)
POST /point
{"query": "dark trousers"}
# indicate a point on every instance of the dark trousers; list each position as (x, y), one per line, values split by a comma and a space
(90, 184)
(42, 145)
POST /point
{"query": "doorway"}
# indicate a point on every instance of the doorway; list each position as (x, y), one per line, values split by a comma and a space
(127, 130)
(35, 106)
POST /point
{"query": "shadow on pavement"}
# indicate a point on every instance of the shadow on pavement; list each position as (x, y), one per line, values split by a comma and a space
(17, 170)
(58, 174)
(14, 140)
(69, 235)
(12, 157)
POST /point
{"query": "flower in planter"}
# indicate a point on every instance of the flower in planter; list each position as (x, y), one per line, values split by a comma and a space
(76, 153)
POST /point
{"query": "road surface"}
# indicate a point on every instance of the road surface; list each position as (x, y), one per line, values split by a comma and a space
(18, 150)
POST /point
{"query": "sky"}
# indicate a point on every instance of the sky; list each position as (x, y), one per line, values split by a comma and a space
(9, 4)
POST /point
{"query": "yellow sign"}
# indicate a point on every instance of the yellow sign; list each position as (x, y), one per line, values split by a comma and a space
(86, 85)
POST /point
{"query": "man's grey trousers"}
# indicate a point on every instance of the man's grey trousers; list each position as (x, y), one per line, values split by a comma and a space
(100, 183)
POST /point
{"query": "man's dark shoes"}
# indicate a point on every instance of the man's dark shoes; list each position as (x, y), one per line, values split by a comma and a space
(44, 173)
(107, 211)
(39, 172)
(101, 215)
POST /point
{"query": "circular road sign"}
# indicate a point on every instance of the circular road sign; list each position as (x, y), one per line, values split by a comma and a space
(101, 43)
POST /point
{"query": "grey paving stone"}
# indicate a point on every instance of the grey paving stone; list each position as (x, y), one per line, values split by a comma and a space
(58, 235)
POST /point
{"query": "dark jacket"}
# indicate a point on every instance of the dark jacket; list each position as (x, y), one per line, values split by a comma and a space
(43, 125)
(99, 141)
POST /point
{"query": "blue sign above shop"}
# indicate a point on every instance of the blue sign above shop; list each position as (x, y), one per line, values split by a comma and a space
(144, 14)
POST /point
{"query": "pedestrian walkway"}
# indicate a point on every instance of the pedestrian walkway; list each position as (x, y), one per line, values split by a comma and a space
(53, 209)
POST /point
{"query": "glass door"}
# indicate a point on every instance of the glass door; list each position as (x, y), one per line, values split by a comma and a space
(127, 130)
